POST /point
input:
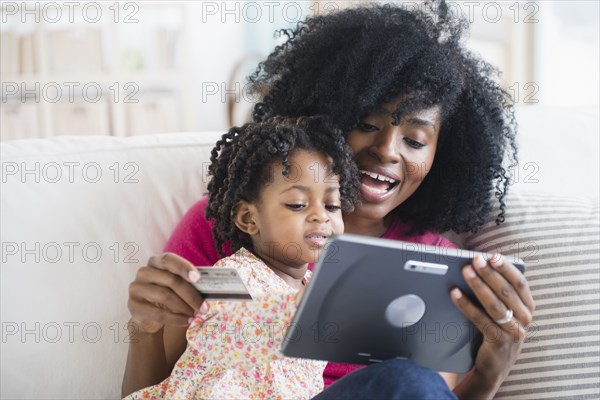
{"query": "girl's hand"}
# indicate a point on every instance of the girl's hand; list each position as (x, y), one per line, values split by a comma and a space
(502, 290)
(162, 293)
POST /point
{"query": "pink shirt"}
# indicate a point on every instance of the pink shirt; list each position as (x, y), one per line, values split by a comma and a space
(192, 239)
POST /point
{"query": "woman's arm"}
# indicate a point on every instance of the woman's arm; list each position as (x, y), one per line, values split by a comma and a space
(153, 354)
(146, 362)
(161, 295)
(499, 286)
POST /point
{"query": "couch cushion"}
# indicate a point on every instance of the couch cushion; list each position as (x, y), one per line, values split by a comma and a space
(79, 215)
(558, 238)
(70, 311)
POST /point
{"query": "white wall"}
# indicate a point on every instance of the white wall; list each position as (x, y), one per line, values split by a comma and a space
(566, 53)
(547, 50)
(223, 34)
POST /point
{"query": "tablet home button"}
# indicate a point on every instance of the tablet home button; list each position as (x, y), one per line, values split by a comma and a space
(405, 311)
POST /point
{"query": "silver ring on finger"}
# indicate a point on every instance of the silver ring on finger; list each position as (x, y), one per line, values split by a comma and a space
(507, 317)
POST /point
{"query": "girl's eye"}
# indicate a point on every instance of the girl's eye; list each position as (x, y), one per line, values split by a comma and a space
(295, 207)
(365, 127)
(413, 143)
(333, 208)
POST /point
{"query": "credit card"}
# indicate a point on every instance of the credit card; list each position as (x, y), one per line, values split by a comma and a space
(221, 283)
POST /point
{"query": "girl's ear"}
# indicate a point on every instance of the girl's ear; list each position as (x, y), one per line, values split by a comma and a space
(244, 218)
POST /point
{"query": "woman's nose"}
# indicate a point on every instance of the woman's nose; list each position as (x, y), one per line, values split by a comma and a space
(386, 145)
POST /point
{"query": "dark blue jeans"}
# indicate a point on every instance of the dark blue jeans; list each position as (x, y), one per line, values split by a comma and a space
(391, 379)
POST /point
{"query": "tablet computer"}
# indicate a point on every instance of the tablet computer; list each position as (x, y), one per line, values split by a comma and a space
(373, 299)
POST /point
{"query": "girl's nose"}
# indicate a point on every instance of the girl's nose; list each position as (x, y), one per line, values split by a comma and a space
(386, 145)
(318, 214)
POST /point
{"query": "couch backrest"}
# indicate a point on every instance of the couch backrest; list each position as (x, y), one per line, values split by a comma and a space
(558, 237)
(79, 216)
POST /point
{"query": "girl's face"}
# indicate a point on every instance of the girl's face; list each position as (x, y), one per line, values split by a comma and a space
(393, 159)
(297, 214)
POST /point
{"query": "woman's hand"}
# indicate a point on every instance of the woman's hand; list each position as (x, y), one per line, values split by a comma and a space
(162, 293)
(507, 312)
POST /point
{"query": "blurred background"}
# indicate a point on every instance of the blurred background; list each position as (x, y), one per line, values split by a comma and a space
(142, 67)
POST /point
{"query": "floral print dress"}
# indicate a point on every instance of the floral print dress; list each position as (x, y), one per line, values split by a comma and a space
(233, 351)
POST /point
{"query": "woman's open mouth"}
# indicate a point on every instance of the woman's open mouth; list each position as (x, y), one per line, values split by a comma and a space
(376, 187)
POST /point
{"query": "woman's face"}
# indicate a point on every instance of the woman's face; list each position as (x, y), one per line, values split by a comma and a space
(393, 159)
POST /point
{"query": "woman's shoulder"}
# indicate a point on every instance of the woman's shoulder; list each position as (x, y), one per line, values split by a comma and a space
(198, 209)
(192, 237)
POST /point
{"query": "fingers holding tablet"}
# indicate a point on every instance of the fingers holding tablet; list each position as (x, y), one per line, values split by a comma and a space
(505, 312)
(503, 293)
(493, 332)
(517, 282)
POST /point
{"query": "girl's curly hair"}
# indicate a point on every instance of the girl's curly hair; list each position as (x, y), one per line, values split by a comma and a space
(241, 165)
(346, 63)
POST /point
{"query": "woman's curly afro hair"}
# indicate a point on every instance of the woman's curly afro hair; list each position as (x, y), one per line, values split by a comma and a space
(241, 165)
(346, 63)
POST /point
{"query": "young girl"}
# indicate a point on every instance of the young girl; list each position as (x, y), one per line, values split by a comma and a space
(277, 194)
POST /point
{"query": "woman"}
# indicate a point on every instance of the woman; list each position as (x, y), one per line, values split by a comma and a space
(430, 131)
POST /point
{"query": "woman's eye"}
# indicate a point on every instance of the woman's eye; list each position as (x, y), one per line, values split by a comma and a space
(365, 127)
(295, 207)
(413, 143)
(333, 208)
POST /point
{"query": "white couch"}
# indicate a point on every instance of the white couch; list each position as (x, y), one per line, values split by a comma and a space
(79, 215)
